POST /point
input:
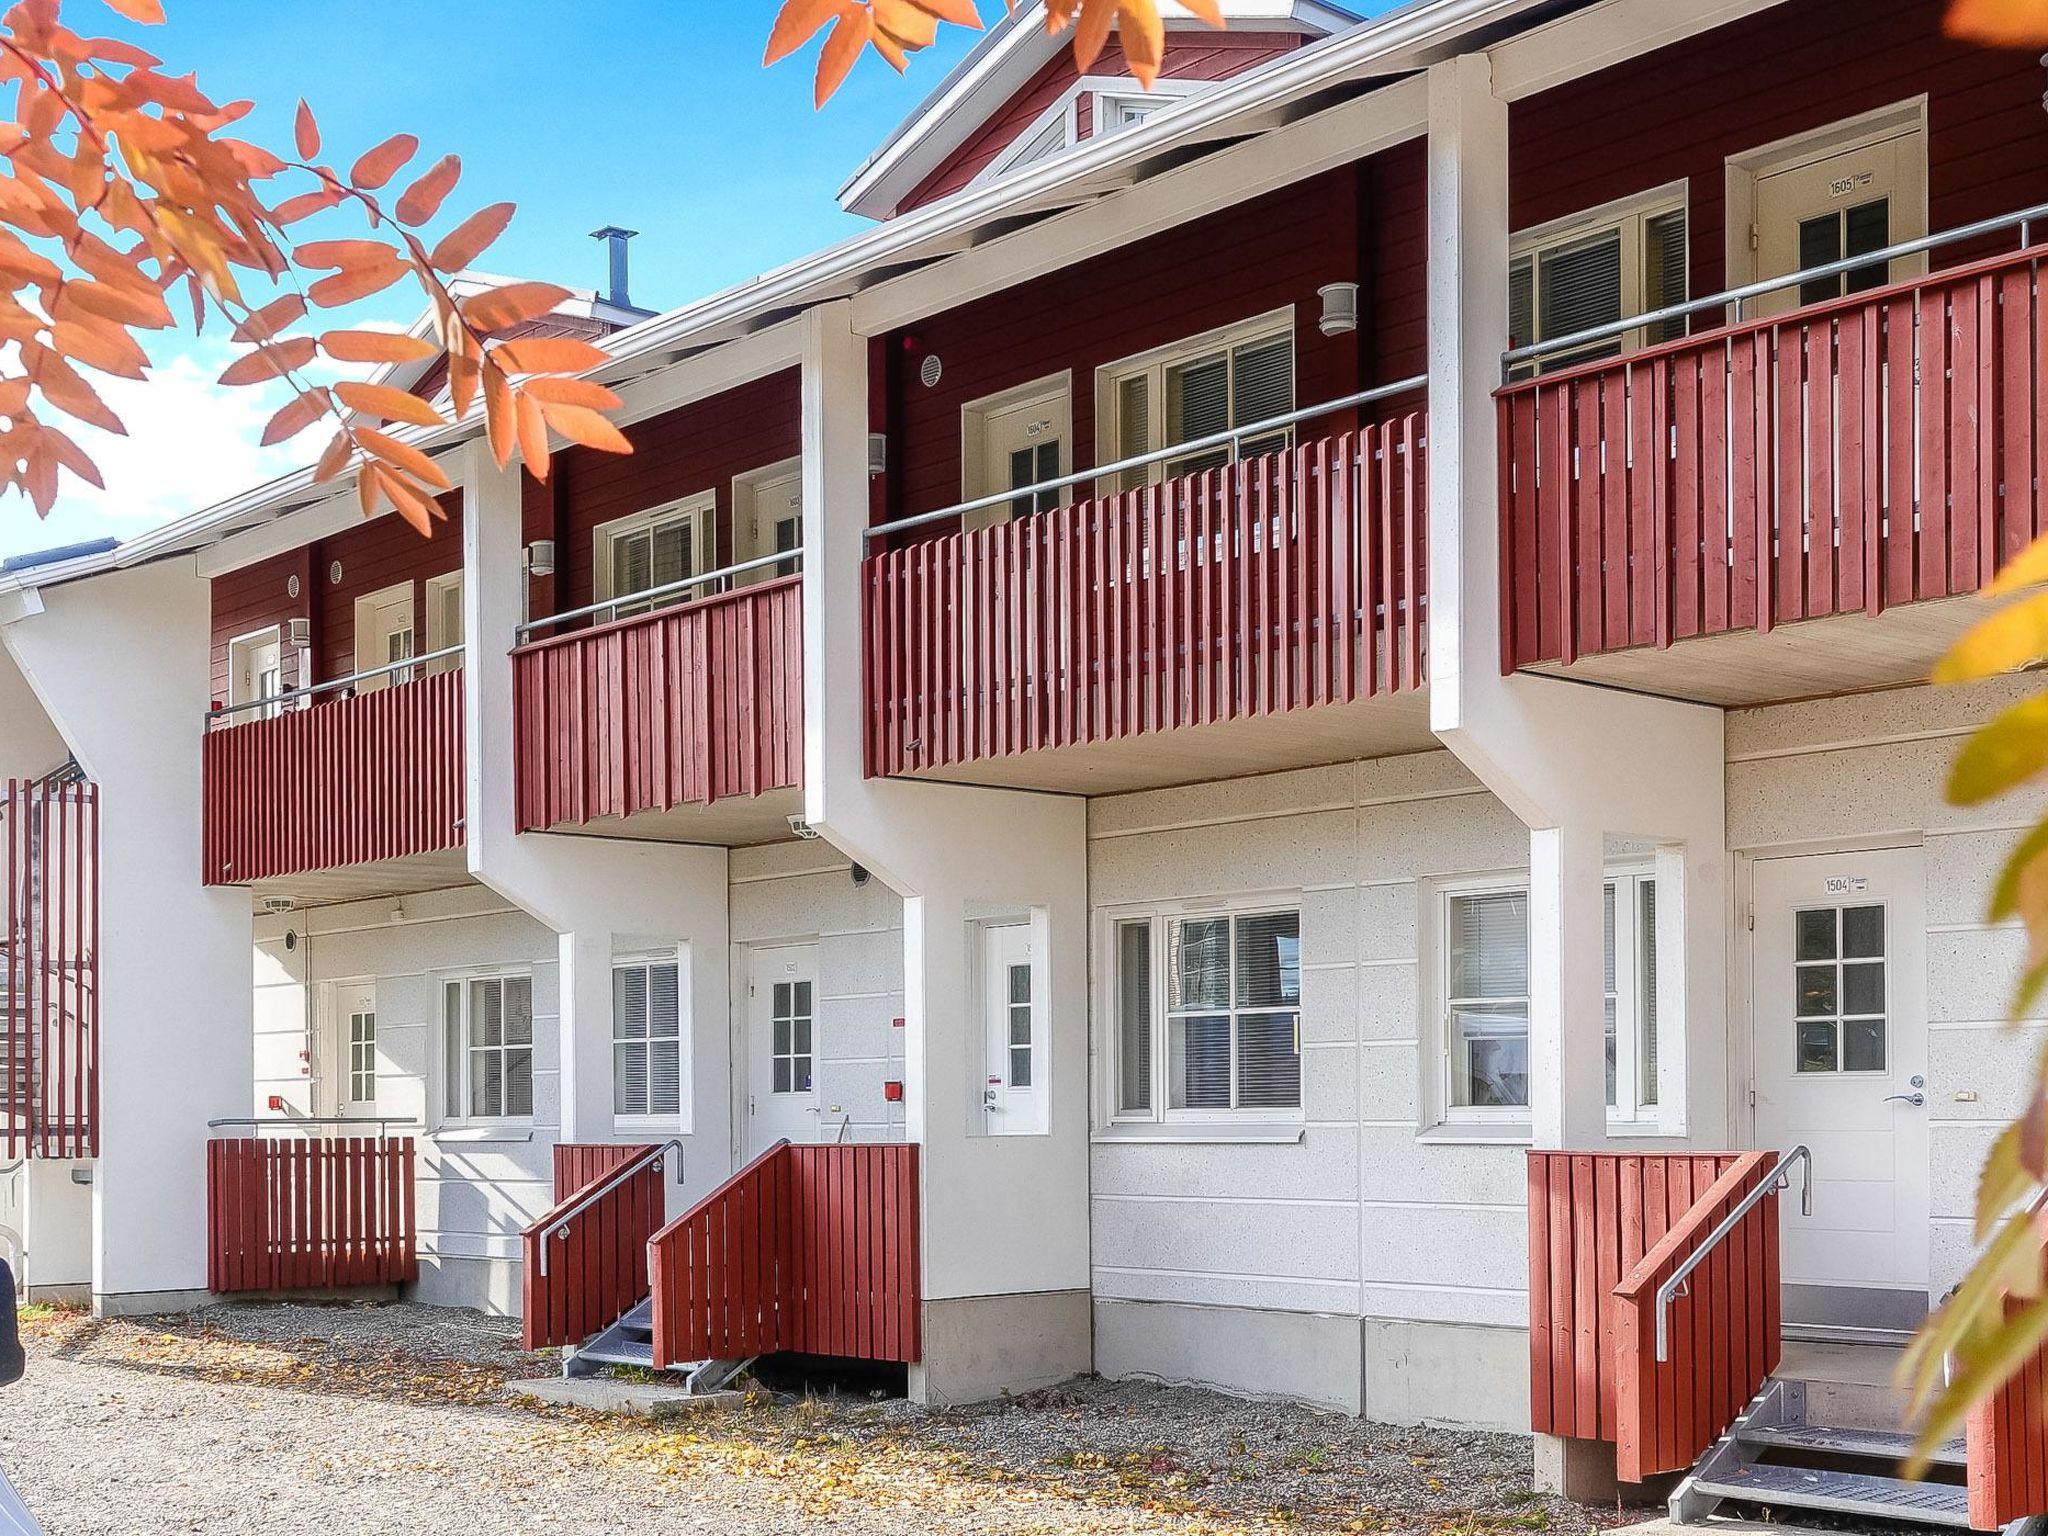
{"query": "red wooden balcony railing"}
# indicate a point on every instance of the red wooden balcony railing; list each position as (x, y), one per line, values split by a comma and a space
(808, 1249)
(1605, 1231)
(1276, 583)
(309, 1215)
(49, 968)
(689, 704)
(1846, 457)
(375, 776)
(586, 1259)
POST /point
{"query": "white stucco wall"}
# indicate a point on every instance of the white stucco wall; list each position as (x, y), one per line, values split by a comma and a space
(1854, 769)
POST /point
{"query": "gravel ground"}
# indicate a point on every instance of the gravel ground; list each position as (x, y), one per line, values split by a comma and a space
(344, 1419)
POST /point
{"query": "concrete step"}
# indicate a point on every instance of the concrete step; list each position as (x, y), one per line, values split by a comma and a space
(1848, 1386)
(1855, 1494)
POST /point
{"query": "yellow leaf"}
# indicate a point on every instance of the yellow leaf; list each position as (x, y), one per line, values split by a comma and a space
(391, 404)
(2026, 569)
(2012, 637)
(2007, 752)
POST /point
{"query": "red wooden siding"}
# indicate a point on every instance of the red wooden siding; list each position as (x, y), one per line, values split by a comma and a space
(309, 1215)
(1723, 1331)
(1201, 55)
(2007, 1440)
(1680, 112)
(1603, 1223)
(49, 969)
(1276, 584)
(597, 1270)
(1363, 223)
(687, 705)
(1848, 457)
(377, 776)
(808, 1249)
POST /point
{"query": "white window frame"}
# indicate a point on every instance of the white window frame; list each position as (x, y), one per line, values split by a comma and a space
(449, 1093)
(1108, 91)
(1628, 1115)
(654, 1119)
(240, 645)
(437, 637)
(360, 1056)
(700, 507)
(1154, 364)
(1159, 918)
(1629, 216)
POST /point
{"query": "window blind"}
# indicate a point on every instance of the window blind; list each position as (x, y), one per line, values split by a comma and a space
(1134, 1018)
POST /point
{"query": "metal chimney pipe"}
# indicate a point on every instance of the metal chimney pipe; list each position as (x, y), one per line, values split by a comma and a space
(615, 239)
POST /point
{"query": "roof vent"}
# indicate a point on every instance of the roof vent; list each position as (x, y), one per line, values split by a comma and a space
(615, 239)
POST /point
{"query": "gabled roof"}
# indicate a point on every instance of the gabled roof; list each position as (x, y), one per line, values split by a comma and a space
(1005, 60)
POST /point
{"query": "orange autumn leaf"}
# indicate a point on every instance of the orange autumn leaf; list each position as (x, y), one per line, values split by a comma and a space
(306, 132)
(797, 23)
(559, 391)
(148, 12)
(376, 347)
(422, 200)
(842, 48)
(497, 309)
(347, 286)
(272, 318)
(1998, 23)
(471, 238)
(404, 457)
(547, 354)
(379, 165)
(294, 416)
(269, 361)
(388, 403)
(582, 425)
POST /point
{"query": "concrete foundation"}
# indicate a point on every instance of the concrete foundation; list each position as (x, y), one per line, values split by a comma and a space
(981, 1347)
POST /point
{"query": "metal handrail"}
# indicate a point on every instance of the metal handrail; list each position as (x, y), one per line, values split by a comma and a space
(613, 604)
(1777, 1179)
(558, 1225)
(331, 684)
(259, 1121)
(2023, 220)
(1229, 439)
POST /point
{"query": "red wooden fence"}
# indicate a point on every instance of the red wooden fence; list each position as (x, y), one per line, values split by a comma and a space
(49, 968)
(1845, 457)
(1602, 1222)
(1275, 584)
(1723, 1331)
(809, 1249)
(2007, 1441)
(377, 776)
(689, 704)
(597, 1271)
(309, 1215)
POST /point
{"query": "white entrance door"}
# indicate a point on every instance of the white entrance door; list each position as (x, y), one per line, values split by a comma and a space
(1839, 991)
(384, 634)
(1013, 1014)
(1021, 444)
(351, 1054)
(770, 520)
(256, 671)
(1815, 209)
(781, 1047)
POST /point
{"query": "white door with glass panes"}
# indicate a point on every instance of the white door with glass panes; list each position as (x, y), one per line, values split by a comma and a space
(1021, 443)
(351, 1054)
(384, 634)
(781, 1048)
(256, 672)
(1013, 1098)
(1830, 206)
(768, 516)
(444, 620)
(1839, 1007)
(653, 551)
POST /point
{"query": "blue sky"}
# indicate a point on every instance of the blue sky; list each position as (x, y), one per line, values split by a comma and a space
(654, 114)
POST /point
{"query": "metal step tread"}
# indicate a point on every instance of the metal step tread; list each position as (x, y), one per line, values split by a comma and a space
(1878, 1444)
(1849, 1493)
(615, 1351)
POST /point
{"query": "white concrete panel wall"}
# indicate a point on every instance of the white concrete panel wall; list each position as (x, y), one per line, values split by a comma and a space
(1364, 1215)
(803, 892)
(478, 1187)
(1871, 769)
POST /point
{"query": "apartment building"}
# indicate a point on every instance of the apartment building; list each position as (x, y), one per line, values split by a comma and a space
(1275, 736)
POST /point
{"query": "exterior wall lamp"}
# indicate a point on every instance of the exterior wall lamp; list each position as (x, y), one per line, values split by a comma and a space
(540, 558)
(1340, 308)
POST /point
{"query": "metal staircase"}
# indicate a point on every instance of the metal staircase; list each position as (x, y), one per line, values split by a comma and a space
(630, 1342)
(1823, 1453)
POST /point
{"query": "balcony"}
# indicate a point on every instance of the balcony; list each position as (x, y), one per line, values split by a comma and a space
(342, 789)
(1785, 504)
(686, 721)
(1267, 613)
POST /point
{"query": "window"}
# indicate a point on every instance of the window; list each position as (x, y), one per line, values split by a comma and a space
(489, 1023)
(256, 671)
(1195, 389)
(790, 1038)
(652, 550)
(647, 1043)
(1018, 1013)
(1839, 1019)
(1839, 233)
(1486, 999)
(1597, 268)
(1231, 1014)
(362, 1056)
(444, 619)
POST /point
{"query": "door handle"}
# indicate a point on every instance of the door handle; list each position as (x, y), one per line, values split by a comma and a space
(1914, 1099)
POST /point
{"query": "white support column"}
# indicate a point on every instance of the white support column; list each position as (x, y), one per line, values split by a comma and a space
(1567, 990)
(1007, 1304)
(601, 896)
(121, 665)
